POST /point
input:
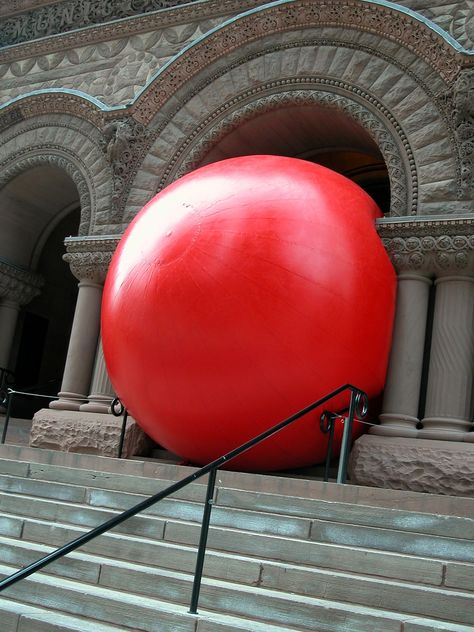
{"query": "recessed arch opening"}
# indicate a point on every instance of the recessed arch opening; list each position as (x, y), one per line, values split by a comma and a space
(39, 208)
(315, 133)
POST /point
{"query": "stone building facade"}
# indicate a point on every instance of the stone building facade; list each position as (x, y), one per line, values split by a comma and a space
(102, 104)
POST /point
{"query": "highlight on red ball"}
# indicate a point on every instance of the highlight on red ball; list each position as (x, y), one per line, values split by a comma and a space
(241, 293)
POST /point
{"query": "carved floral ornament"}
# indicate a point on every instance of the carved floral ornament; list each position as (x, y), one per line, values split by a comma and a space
(432, 248)
(18, 285)
(89, 257)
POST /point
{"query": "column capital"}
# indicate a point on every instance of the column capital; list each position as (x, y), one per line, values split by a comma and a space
(430, 246)
(18, 285)
(89, 257)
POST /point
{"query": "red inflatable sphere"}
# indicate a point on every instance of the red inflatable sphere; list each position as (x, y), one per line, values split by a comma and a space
(240, 294)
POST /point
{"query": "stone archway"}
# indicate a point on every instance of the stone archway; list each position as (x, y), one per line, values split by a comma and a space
(379, 65)
(54, 182)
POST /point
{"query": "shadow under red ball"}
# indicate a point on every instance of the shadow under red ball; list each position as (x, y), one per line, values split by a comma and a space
(241, 293)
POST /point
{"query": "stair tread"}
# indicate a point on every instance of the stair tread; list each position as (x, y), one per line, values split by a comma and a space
(274, 563)
(291, 600)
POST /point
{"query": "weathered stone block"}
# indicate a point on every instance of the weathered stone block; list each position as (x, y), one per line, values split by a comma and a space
(420, 465)
(88, 433)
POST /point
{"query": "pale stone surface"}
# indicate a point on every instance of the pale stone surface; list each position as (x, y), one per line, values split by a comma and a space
(88, 433)
(440, 467)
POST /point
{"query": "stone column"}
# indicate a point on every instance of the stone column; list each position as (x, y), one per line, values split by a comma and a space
(17, 287)
(102, 392)
(89, 265)
(82, 346)
(449, 400)
(402, 390)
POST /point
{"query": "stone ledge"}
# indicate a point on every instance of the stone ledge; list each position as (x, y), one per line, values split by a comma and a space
(419, 465)
(87, 433)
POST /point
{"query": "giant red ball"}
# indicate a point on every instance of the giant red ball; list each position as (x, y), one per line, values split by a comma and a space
(240, 294)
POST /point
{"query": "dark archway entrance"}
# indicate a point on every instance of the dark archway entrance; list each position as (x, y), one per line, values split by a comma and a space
(316, 133)
(40, 207)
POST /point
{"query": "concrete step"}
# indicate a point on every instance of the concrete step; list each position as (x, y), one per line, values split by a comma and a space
(284, 554)
(273, 484)
(21, 617)
(268, 607)
(231, 552)
(303, 509)
(364, 515)
(31, 501)
(176, 586)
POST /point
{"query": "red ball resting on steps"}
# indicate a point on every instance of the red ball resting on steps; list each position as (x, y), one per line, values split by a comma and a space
(241, 293)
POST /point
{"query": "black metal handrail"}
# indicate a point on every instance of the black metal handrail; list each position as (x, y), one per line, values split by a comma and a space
(358, 406)
(7, 379)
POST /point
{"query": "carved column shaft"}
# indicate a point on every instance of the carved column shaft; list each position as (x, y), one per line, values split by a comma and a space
(102, 391)
(449, 399)
(402, 390)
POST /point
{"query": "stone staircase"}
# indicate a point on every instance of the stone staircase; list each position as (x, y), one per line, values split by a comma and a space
(284, 553)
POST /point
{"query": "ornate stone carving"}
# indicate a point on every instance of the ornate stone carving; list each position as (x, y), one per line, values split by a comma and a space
(431, 247)
(456, 18)
(51, 103)
(70, 144)
(10, 117)
(90, 257)
(378, 19)
(69, 15)
(183, 12)
(125, 141)
(22, 164)
(404, 197)
(463, 117)
(17, 284)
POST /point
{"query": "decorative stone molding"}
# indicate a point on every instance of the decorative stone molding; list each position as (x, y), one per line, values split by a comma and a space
(10, 117)
(68, 143)
(277, 18)
(70, 15)
(463, 115)
(456, 18)
(68, 165)
(138, 22)
(19, 285)
(125, 142)
(51, 103)
(17, 6)
(403, 195)
(430, 247)
(89, 257)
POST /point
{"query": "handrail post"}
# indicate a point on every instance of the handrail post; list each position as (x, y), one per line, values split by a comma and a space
(206, 518)
(7, 415)
(358, 404)
(122, 432)
(327, 424)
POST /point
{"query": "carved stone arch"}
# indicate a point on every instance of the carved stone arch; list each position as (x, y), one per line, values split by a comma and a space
(393, 68)
(376, 121)
(73, 145)
(387, 23)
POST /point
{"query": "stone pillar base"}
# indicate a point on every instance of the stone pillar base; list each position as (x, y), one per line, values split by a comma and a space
(419, 465)
(87, 433)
